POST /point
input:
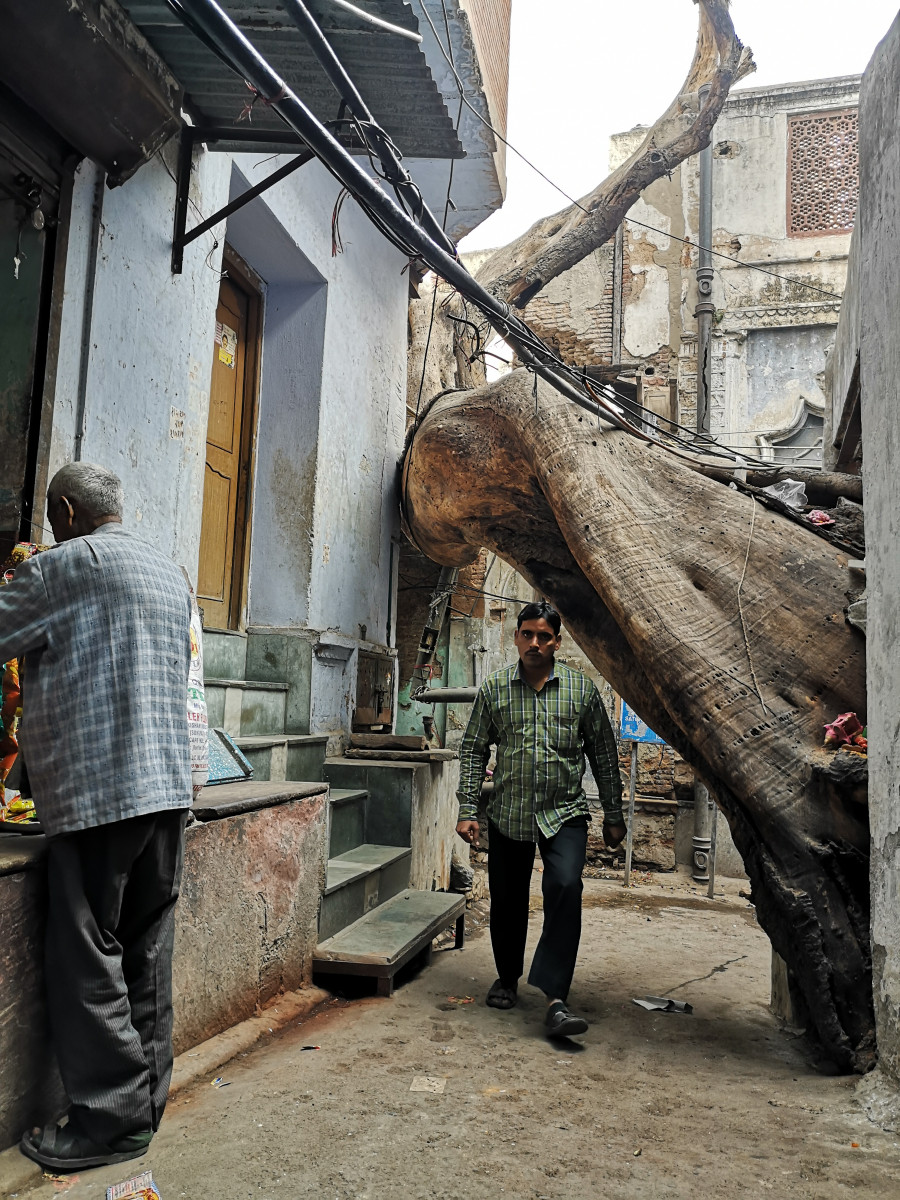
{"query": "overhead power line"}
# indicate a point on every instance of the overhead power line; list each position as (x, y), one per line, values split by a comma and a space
(413, 229)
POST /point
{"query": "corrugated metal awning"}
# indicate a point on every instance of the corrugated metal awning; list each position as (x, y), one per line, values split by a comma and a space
(390, 72)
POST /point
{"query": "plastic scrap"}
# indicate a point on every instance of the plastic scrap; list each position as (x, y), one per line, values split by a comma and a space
(460, 999)
(845, 730)
(310, 1047)
(141, 1187)
(818, 517)
(663, 1004)
(219, 1082)
(789, 491)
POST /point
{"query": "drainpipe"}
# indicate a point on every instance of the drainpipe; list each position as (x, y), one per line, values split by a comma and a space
(702, 839)
(87, 314)
(705, 308)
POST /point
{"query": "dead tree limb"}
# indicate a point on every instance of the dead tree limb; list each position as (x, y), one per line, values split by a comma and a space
(721, 623)
(517, 272)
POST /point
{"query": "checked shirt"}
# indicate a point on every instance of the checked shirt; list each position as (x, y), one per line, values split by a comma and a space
(541, 739)
(104, 624)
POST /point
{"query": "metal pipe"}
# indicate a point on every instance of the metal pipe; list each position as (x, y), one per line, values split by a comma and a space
(87, 314)
(701, 839)
(705, 309)
(463, 695)
(219, 29)
(391, 159)
(377, 21)
(245, 197)
(629, 837)
(712, 852)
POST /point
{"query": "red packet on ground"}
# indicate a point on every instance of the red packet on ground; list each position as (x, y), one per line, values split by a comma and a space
(141, 1187)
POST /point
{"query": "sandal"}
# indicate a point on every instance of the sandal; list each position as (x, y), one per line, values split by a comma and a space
(501, 996)
(57, 1148)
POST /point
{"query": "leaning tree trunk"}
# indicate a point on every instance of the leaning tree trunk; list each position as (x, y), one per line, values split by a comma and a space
(719, 621)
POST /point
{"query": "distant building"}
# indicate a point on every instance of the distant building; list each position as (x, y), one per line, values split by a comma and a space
(785, 185)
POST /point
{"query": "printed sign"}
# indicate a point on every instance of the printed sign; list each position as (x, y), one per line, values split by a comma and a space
(226, 340)
(633, 729)
(141, 1187)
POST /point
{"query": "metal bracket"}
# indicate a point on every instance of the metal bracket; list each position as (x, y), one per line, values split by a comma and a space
(182, 236)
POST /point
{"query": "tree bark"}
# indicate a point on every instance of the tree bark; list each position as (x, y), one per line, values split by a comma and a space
(719, 621)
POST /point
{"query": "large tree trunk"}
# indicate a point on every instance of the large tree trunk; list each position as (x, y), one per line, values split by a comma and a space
(719, 621)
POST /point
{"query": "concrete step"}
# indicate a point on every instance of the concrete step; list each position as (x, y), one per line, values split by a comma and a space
(346, 820)
(382, 941)
(224, 654)
(243, 707)
(285, 755)
(358, 881)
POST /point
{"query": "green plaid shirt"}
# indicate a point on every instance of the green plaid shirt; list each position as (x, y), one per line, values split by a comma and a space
(541, 739)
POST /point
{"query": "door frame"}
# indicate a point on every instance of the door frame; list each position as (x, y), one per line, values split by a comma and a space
(242, 274)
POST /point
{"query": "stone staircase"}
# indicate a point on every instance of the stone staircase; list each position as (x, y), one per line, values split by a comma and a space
(371, 922)
(259, 713)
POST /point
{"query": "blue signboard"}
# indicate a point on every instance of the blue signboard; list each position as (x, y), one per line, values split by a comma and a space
(633, 728)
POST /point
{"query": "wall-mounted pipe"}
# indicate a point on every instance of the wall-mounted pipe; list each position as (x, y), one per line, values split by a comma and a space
(463, 695)
(87, 315)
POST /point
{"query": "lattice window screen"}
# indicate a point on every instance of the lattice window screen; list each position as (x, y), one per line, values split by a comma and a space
(823, 173)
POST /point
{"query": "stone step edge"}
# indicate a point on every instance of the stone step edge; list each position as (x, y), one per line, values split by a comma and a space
(256, 685)
(259, 741)
(373, 964)
(365, 869)
(345, 795)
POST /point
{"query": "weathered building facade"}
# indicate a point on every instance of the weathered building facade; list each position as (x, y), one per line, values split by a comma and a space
(248, 385)
(863, 421)
(783, 192)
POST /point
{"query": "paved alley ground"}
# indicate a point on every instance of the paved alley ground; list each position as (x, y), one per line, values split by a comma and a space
(645, 1107)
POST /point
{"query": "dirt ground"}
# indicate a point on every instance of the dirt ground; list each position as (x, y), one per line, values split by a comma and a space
(646, 1106)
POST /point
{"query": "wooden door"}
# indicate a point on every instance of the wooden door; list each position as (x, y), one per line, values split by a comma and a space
(225, 510)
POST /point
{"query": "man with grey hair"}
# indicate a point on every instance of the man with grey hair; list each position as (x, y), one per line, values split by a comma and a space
(103, 623)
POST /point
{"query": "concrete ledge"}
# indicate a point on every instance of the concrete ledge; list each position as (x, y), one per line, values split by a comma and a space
(229, 799)
(17, 1173)
(206, 1058)
(21, 852)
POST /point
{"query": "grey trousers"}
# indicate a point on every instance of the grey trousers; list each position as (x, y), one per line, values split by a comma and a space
(110, 932)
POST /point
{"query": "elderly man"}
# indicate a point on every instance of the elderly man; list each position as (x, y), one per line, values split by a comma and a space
(102, 621)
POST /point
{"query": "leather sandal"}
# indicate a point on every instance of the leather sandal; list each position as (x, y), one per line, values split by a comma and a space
(57, 1148)
(501, 996)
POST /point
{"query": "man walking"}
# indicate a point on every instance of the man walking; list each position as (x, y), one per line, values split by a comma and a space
(543, 719)
(103, 621)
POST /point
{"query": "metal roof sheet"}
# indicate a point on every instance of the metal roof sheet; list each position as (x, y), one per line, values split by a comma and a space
(390, 72)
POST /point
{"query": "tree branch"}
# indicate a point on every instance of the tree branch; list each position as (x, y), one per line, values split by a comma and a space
(517, 272)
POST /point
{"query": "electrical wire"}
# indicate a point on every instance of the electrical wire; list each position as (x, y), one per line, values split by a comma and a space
(535, 354)
(447, 202)
(587, 211)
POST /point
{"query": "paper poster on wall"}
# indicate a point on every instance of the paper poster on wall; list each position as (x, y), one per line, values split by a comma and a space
(226, 340)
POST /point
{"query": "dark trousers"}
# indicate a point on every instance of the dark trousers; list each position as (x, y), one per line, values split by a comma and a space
(110, 932)
(510, 865)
